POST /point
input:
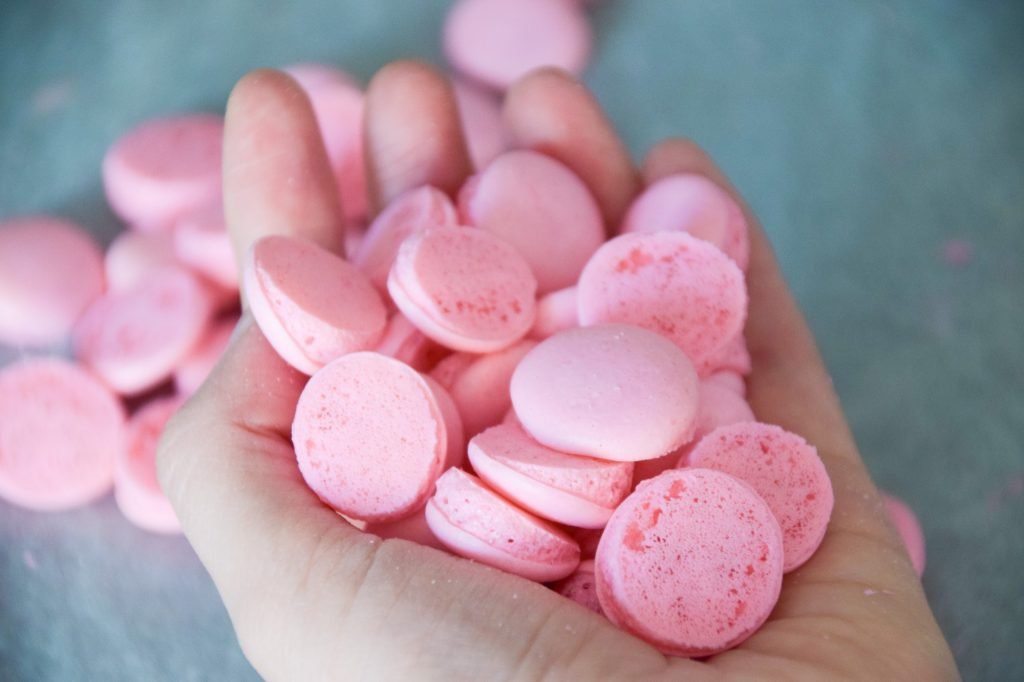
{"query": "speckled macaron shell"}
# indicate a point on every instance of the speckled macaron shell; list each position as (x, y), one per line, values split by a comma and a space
(540, 207)
(785, 470)
(136, 489)
(909, 528)
(569, 489)
(59, 431)
(164, 168)
(691, 562)
(466, 289)
(581, 587)
(311, 305)
(477, 523)
(556, 312)
(50, 271)
(608, 391)
(694, 204)
(669, 282)
(369, 437)
(134, 339)
(412, 212)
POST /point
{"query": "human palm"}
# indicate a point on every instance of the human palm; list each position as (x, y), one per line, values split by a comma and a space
(312, 597)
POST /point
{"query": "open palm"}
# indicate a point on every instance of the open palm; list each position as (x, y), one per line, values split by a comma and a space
(313, 598)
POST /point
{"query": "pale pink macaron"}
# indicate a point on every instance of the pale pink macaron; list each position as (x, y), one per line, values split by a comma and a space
(337, 104)
(413, 528)
(909, 528)
(466, 289)
(59, 431)
(669, 282)
(482, 125)
(192, 371)
(540, 207)
(609, 391)
(136, 489)
(455, 434)
(201, 241)
(132, 256)
(475, 522)
(479, 384)
(497, 42)
(569, 489)
(50, 270)
(733, 356)
(690, 562)
(581, 587)
(785, 470)
(370, 437)
(134, 339)
(727, 379)
(556, 312)
(163, 169)
(411, 212)
(694, 204)
(311, 305)
(403, 341)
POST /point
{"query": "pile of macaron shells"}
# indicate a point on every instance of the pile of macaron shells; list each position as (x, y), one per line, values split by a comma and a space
(514, 382)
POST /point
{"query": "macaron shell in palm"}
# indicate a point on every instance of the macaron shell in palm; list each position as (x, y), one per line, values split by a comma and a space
(479, 524)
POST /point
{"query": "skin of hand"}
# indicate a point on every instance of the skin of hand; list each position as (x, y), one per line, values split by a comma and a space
(313, 598)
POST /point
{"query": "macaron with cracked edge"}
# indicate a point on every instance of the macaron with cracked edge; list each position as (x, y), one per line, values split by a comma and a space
(609, 391)
(59, 431)
(570, 489)
(369, 437)
(669, 282)
(311, 305)
(540, 207)
(50, 271)
(136, 489)
(909, 528)
(691, 562)
(785, 470)
(475, 522)
(466, 289)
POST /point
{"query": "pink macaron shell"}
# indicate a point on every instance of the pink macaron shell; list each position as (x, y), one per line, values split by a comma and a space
(785, 470)
(134, 339)
(608, 391)
(413, 528)
(311, 305)
(482, 124)
(728, 379)
(733, 356)
(588, 540)
(540, 207)
(59, 431)
(50, 271)
(312, 76)
(481, 388)
(204, 356)
(556, 312)
(497, 42)
(201, 241)
(403, 341)
(369, 437)
(719, 406)
(163, 169)
(136, 489)
(411, 212)
(569, 489)
(455, 437)
(447, 371)
(581, 587)
(466, 289)
(909, 529)
(477, 523)
(690, 562)
(669, 282)
(693, 204)
(132, 256)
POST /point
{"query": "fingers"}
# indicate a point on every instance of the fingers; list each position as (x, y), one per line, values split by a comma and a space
(413, 133)
(277, 179)
(550, 111)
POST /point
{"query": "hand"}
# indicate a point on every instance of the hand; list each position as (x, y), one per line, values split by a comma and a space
(313, 598)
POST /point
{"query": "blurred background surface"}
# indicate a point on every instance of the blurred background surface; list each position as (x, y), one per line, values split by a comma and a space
(881, 144)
